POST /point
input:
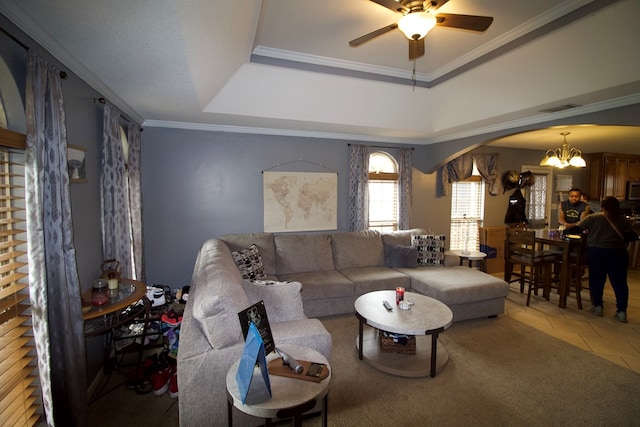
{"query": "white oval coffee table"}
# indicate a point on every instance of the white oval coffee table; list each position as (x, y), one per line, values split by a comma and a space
(426, 320)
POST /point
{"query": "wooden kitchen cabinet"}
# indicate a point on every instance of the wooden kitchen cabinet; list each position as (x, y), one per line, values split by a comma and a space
(608, 174)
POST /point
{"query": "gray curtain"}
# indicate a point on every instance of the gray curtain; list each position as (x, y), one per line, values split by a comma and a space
(358, 187)
(53, 278)
(461, 168)
(134, 170)
(116, 221)
(405, 170)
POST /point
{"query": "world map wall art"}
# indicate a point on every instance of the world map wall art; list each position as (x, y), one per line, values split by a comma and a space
(300, 201)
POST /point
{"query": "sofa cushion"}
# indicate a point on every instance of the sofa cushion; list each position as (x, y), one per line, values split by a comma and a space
(430, 248)
(282, 300)
(399, 256)
(369, 279)
(402, 237)
(249, 263)
(322, 284)
(357, 249)
(456, 285)
(297, 253)
(264, 243)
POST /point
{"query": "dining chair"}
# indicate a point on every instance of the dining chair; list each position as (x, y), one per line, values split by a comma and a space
(534, 263)
(577, 267)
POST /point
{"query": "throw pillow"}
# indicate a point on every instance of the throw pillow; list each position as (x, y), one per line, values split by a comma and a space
(430, 248)
(249, 263)
(282, 300)
(399, 256)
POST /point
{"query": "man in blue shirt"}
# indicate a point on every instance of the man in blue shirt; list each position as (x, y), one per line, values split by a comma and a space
(573, 210)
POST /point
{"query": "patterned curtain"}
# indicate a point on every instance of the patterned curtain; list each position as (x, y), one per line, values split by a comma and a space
(461, 168)
(135, 200)
(405, 167)
(116, 221)
(358, 187)
(53, 278)
(487, 165)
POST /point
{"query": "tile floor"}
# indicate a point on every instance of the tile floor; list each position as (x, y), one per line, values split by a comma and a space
(603, 336)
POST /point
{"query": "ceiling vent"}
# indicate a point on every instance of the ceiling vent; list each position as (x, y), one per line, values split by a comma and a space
(560, 108)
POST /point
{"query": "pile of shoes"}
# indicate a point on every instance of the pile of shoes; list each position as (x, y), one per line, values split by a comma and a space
(124, 336)
(165, 377)
(171, 320)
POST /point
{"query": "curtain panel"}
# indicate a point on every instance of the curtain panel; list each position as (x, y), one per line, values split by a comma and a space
(405, 169)
(134, 171)
(461, 168)
(116, 223)
(53, 278)
(358, 187)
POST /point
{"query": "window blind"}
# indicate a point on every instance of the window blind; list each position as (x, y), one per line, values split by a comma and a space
(467, 214)
(20, 402)
(383, 205)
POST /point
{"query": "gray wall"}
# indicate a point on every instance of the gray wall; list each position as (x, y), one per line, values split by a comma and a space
(199, 185)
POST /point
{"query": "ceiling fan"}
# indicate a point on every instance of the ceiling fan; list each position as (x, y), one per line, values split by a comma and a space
(419, 18)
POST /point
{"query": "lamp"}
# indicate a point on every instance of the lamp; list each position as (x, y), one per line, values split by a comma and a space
(563, 156)
(416, 25)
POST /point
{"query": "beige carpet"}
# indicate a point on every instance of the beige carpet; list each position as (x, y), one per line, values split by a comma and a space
(500, 373)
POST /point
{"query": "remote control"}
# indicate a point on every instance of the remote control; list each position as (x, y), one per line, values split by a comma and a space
(387, 305)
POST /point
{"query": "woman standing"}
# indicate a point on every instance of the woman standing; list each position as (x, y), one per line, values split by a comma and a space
(608, 234)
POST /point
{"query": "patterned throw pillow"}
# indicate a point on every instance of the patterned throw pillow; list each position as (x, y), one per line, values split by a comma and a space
(249, 263)
(430, 248)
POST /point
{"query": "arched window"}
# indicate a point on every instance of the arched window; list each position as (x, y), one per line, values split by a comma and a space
(383, 192)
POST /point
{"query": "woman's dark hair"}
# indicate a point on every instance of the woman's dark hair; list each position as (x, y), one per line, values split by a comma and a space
(611, 207)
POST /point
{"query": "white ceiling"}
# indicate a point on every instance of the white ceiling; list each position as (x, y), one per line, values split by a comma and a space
(285, 67)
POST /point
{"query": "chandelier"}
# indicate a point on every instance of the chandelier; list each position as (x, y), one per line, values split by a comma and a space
(563, 156)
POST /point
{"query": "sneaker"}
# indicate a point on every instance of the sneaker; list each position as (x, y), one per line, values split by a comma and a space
(621, 316)
(597, 310)
(173, 385)
(160, 381)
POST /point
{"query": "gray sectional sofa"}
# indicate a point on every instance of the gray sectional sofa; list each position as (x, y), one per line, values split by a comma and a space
(322, 275)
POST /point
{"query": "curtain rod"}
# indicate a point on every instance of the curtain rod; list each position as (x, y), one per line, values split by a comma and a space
(384, 146)
(63, 74)
(103, 101)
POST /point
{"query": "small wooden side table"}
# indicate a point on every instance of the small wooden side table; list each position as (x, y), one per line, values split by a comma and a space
(473, 256)
(290, 397)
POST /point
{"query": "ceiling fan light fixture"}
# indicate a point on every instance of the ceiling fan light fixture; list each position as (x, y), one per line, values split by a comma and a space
(416, 25)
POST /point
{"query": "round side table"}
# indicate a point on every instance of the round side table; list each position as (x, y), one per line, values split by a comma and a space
(473, 256)
(290, 397)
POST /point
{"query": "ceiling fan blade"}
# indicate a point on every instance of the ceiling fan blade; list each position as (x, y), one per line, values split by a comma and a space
(393, 5)
(371, 35)
(467, 22)
(416, 49)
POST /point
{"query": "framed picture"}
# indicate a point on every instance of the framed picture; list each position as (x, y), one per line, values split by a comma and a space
(76, 163)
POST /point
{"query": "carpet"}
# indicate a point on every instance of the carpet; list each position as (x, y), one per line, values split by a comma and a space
(501, 372)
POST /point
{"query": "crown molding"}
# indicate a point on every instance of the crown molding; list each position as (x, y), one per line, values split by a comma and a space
(539, 118)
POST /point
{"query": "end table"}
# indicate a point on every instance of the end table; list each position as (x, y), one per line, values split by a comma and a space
(290, 397)
(473, 256)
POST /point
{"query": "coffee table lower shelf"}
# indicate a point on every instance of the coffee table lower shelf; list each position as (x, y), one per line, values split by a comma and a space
(404, 365)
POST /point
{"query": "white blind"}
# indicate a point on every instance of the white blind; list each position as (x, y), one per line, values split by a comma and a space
(467, 214)
(383, 205)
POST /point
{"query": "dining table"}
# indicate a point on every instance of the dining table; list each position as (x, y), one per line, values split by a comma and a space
(554, 240)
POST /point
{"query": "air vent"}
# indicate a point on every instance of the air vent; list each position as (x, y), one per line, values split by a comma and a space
(560, 108)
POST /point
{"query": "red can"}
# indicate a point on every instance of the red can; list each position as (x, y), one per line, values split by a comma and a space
(399, 294)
